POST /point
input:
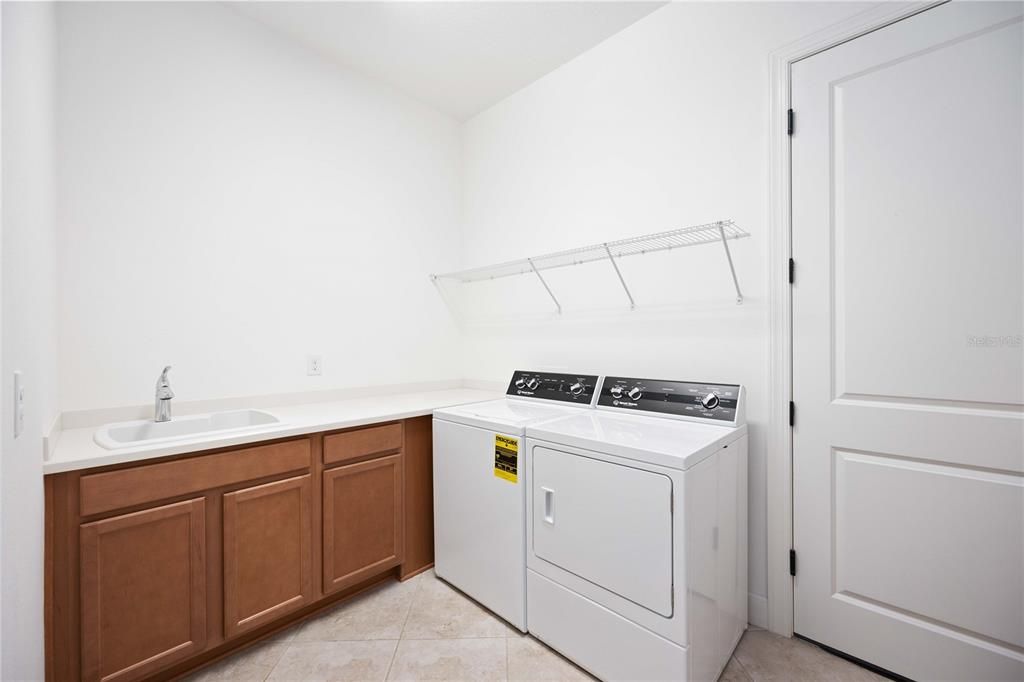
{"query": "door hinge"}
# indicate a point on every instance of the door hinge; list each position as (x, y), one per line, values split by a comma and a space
(792, 562)
(792, 413)
(789, 122)
(792, 270)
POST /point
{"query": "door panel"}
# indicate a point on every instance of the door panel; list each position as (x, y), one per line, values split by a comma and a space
(908, 371)
(267, 552)
(925, 251)
(362, 521)
(143, 586)
(925, 539)
(607, 523)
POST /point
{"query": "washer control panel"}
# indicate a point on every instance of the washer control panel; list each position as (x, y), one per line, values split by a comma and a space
(692, 399)
(568, 388)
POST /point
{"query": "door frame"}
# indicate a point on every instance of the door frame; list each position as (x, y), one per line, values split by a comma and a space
(779, 451)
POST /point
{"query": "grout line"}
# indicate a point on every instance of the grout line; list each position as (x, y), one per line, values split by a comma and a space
(401, 634)
(412, 603)
(391, 663)
(287, 646)
(739, 663)
(450, 639)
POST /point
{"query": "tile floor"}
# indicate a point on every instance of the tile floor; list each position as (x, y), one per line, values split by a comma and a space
(424, 630)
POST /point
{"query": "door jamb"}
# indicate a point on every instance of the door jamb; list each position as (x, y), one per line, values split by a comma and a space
(779, 460)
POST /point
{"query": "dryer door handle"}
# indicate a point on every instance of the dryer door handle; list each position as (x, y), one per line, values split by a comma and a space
(549, 505)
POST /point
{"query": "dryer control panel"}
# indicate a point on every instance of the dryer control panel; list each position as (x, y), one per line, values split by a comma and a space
(567, 388)
(695, 400)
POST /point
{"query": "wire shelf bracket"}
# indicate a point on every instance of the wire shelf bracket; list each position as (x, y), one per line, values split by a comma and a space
(710, 233)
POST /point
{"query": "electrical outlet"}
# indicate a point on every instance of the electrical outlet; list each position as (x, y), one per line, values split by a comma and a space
(314, 365)
(19, 405)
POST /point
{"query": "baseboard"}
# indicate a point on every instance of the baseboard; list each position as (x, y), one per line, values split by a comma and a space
(757, 610)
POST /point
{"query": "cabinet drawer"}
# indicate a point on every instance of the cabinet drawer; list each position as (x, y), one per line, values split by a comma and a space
(373, 440)
(138, 485)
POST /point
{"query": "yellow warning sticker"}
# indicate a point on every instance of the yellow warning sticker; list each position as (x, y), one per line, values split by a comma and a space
(506, 458)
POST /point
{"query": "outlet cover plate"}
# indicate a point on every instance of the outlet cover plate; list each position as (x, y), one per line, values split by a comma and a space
(314, 365)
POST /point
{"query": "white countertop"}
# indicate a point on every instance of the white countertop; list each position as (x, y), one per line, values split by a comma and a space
(75, 448)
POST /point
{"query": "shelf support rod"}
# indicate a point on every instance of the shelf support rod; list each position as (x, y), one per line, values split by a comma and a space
(732, 269)
(632, 303)
(546, 287)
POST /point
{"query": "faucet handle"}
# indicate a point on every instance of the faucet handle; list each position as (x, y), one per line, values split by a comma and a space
(163, 387)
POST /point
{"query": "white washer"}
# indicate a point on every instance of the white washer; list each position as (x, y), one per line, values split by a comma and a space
(480, 486)
(637, 534)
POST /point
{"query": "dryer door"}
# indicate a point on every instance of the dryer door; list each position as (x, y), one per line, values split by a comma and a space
(607, 523)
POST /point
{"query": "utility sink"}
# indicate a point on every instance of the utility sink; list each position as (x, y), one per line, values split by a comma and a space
(147, 432)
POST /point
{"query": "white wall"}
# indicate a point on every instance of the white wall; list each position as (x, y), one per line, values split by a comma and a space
(661, 126)
(230, 202)
(29, 324)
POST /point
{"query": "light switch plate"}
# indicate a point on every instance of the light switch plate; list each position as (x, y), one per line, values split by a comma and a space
(19, 404)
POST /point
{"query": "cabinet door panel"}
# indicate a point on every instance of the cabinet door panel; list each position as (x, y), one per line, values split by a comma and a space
(267, 552)
(363, 529)
(143, 590)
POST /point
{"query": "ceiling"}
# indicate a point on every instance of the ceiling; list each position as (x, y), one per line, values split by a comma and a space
(459, 57)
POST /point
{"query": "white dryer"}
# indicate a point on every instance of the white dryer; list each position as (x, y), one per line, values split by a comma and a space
(637, 534)
(480, 486)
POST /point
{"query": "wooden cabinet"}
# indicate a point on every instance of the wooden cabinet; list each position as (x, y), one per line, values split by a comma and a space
(418, 499)
(143, 590)
(268, 558)
(362, 521)
(154, 568)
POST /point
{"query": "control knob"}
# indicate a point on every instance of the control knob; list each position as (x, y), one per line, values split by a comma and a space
(635, 393)
(710, 401)
(520, 383)
(576, 388)
(616, 391)
(532, 383)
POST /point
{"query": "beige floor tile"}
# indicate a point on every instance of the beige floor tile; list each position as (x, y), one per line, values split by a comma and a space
(767, 657)
(335, 661)
(377, 614)
(249, 665)
(441, 612)
(475, 660)
(734, 672)
(529, 660)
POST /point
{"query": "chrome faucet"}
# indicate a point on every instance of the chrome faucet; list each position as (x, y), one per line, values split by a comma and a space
(163, 397)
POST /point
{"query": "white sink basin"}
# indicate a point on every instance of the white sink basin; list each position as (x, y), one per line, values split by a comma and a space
(147, 432)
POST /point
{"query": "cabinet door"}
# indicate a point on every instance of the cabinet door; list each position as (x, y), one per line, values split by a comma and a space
(363, 530)
(267, 552)
(143, 583)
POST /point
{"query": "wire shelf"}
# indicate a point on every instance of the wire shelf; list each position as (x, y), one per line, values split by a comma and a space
(710, 233)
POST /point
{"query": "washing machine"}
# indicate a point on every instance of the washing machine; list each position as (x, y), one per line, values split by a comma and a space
(480, 480)
(637, 530)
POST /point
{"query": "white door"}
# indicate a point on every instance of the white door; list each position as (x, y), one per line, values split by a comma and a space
(606, 523)
(908, 367)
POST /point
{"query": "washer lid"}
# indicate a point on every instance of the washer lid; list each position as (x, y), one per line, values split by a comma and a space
(506, 415)
(674, 444)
